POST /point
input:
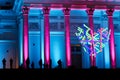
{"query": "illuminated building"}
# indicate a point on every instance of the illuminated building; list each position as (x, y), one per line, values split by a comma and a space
(45, 29)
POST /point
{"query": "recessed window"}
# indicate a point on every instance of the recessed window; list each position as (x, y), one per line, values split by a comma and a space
(76, 48)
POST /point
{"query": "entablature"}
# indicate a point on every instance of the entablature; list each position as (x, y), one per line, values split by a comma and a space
(73, 4)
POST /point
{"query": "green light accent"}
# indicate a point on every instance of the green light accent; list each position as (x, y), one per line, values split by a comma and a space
(98, 40)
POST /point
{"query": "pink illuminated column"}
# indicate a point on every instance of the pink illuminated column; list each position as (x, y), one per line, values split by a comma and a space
(112, 43)
(46, 11)
(90, 12)
(25, 34)
(67, 35)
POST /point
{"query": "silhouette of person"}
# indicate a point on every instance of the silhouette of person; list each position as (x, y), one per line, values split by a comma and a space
(28, 62)
(59, 63)
(50, 66)
(46, 66)
(32, 65)
(4, 63)
(11, 63)
(21, 66)
(40, 63)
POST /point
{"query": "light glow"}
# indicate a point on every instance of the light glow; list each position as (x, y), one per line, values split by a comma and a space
(25, 38)
(98, 41)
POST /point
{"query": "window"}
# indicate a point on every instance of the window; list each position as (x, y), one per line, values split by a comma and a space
(75, 48)
(53, 26)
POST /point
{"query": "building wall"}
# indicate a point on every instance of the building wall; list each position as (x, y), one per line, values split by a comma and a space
(8, 38)
(77, 18)
(11, 30)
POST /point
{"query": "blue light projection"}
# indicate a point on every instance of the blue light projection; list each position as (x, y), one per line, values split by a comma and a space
(8, 50)
(107, 55)
(117, 46)
(20, 42)
(34, 48)
(57, 48)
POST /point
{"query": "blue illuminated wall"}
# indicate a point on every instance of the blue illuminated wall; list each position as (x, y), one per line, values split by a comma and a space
(34, 48)
(8, 38)
(117, 46)
(11, 36)
(85, 60)
(8, 50)
(57, 48)
(77, 18)
(20, 38)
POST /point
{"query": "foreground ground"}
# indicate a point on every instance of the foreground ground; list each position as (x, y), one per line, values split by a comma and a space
(60, 74)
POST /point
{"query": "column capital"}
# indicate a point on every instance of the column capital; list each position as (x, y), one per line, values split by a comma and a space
(90, 11)
(66, 11)
(110, 12)
(46, 10)
(25, 10)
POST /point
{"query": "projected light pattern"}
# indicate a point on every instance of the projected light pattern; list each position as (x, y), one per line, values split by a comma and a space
(98, 41)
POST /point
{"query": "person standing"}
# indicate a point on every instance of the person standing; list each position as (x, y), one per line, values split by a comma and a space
(11, 63)
(40, 63)
(4, 63)
(28, 62)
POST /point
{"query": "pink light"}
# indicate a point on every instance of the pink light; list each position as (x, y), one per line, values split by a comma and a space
(25, 38)
(92, 58)
(90, 21)
(46, 36)
(112, 44)
(67, 35)
(25, 47)
(68, 50)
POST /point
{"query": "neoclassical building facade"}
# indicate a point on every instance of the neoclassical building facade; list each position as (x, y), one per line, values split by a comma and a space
(46, 30)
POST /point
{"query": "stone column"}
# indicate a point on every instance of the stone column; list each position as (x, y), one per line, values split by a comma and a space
(25, 35)
(91, 25)
(111, 42)
(67, 35)
(46, 11)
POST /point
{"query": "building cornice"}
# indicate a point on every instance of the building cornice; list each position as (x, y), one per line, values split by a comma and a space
(73, 4)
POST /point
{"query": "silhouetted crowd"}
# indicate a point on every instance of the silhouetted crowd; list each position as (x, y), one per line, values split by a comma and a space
(41, 65)
(4, 63)
(27, 64)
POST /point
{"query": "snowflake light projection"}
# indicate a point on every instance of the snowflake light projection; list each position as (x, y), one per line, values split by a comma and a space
(97, 41)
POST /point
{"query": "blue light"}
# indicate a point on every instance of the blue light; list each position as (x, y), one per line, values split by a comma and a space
(21, 42)
(7, 51)
(117, 47)
(57, 47)
(107, 55)
(42, 40)
(85, 60)
(34, 48)
(56, 12)
(100, 60)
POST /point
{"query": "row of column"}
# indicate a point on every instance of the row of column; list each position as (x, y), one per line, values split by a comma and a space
(109, 12)
(66, 12)
(46, 11)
